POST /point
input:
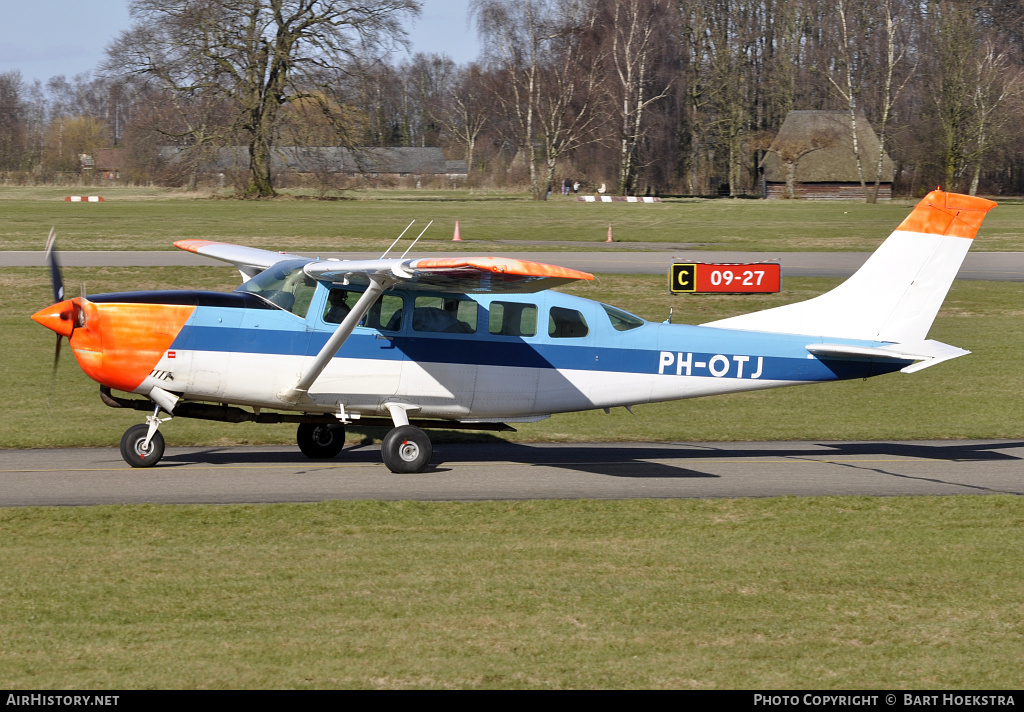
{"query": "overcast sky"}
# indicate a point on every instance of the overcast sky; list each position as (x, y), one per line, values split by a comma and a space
(44, 38)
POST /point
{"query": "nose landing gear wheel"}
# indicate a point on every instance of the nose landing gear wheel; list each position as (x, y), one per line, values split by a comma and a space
(319, 441)
(133, 452)
(406, 449)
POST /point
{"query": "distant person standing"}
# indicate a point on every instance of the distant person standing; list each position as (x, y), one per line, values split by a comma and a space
(602, 189)
(576, 187)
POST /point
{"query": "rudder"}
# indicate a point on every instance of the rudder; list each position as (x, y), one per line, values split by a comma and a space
(897, 292)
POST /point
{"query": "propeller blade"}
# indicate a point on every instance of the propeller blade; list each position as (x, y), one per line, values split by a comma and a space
(53, 377)
(54, 264)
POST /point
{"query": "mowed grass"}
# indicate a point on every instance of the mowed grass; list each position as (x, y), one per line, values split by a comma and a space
(977, 396)
(152, 219)
(770, 594)
(782, 593)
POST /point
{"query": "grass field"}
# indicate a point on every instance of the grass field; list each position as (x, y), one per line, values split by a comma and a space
(770, 594)
(781, 593)
(140, 219)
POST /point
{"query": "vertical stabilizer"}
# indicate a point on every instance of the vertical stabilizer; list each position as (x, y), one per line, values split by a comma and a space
(896, 294)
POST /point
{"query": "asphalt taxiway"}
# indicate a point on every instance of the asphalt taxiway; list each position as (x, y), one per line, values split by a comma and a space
(510, 471)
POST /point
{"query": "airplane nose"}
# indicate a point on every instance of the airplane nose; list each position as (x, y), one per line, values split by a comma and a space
(59, 317)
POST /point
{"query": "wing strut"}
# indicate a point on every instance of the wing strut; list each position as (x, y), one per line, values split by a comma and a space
(338, 338)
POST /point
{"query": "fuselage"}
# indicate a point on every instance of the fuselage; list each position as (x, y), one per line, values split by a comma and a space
(466, 357)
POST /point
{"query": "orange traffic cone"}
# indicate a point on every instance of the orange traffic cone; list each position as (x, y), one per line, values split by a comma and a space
(609, 233)
(456, 238)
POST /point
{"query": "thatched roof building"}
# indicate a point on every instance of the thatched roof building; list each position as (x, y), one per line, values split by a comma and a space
(817, 146)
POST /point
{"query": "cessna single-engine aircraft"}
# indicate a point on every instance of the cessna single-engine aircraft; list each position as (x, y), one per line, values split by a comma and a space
(478, 342)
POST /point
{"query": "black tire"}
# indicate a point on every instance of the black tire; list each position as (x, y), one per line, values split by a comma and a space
(406, 449)
(131, 447)
(318, 441)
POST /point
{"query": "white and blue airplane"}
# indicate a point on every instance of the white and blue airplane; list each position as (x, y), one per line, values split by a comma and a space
(479, 342)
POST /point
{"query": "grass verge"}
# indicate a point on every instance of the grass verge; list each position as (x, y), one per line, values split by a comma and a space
(818, 593)
(149, 219)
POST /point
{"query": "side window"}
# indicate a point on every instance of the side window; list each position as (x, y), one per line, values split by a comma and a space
(512, 319)
(303, 290)
(386, 313)
(444, 314)
(284, 285)
(566, 324)
(622, 321)
(339, 303)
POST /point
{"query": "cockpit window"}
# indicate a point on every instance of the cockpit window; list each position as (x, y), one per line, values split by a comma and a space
(284, 285)
(622, 321)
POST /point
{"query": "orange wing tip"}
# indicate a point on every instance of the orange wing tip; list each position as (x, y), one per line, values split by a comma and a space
(503, 265)
(952, 214)
(195, 245)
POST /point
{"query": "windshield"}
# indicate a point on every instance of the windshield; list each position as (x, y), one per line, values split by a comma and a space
(621, 320)
(284, 285)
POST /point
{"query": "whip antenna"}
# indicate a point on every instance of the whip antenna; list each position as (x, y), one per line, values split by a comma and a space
(417, 239)
(397, 239)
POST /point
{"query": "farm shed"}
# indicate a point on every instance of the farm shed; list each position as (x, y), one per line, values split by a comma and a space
(818, 147)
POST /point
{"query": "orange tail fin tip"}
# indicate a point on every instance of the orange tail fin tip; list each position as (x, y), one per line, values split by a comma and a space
(953, 214)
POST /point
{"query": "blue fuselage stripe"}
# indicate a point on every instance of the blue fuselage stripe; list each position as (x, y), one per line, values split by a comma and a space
(486, 350)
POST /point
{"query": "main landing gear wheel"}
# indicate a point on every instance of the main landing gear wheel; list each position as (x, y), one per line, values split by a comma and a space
(133, 452)
(319, 441)
(406, 449)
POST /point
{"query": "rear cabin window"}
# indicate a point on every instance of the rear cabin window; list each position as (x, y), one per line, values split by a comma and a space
(386, 313)
(512, 319)
(566, 324)
(444, 315)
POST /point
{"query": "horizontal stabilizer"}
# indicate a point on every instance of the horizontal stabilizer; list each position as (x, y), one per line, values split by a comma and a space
(923, 353)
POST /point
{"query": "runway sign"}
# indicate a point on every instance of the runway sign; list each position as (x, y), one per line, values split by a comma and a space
(725, 278)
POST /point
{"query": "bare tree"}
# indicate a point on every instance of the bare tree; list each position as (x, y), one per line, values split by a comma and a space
(895, 51)
(548, 86)
(843, 74)
(953, 34)
(996, 82)
(635, 27)
(791, 150)
(851, 67)
(12, 121)
(255, 54)
(464, 112)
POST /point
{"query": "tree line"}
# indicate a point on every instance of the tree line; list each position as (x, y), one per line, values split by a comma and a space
(642, 96)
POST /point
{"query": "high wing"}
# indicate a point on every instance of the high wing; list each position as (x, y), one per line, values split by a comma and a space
(250, 261)
(459, 275)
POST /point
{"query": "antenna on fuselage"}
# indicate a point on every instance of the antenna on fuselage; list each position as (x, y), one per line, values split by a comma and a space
(399, 238)
(416, 240)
